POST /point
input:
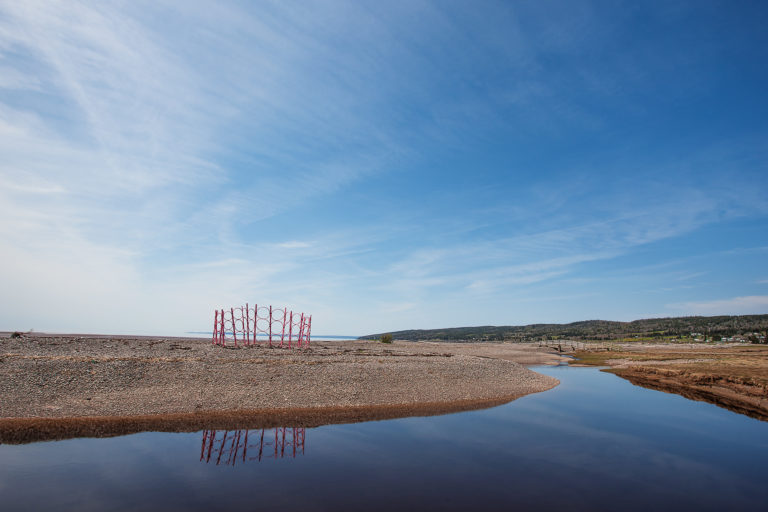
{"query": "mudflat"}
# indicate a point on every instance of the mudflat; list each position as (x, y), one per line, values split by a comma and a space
(56, 386)
(732, 376)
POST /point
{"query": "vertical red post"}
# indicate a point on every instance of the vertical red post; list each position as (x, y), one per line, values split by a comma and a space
(247, 325)
(309, 329)
(282, 336)
(270, 326)
(242, 322)
(234, 328)
(301, 329)
(222, 329)
(215, 325)
(255, 322)
(290, 329)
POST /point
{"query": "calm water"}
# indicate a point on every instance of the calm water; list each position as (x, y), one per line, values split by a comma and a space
(594, 443)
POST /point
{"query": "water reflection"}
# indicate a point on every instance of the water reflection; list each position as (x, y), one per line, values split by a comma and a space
(228, 447)
(595, 442)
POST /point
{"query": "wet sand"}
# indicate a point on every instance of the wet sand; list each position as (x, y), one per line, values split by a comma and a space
(56, 387)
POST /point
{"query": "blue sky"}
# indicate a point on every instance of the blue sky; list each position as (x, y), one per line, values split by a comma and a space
(381, 165)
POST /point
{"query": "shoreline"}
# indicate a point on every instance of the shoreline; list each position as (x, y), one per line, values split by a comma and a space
(57, 386)
(734, 377)
(722, 396)
(29, 430)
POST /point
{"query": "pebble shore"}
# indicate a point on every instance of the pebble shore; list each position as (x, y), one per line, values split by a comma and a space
(45, 377)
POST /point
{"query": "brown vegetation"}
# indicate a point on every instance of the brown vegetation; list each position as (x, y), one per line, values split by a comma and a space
(731, 376)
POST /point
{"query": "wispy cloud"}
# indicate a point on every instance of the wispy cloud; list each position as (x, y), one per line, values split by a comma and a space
(753, 304)
(294, 244)
(145, 122)
(536, 256)
(398, 307)
(170, 155)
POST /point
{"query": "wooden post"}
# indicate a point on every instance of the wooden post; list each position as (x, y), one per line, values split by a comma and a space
(270, 326)
(301, 330)
(247, 325)
(215, 325)
(290, 329)
(234, 328)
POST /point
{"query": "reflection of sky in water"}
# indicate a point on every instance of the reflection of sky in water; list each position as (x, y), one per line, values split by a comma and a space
(595, 442)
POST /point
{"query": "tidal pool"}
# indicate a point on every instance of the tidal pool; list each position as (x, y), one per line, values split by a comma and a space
(596, 442)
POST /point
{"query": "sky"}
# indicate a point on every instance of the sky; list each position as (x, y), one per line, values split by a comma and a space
(380, 165)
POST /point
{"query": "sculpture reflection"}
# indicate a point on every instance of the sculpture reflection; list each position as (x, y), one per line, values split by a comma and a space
(230, 446)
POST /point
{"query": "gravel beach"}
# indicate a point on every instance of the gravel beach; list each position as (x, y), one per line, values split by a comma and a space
(93, 385)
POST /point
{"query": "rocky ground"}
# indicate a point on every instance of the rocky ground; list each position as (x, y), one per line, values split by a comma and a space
(102, 384)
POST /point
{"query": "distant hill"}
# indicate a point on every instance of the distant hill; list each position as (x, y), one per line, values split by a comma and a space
(650, 328)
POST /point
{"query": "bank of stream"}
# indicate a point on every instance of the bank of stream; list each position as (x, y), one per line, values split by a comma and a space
(595, 442)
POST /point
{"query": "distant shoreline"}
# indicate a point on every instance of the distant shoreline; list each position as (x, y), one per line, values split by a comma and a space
(184, 335)
(648, 329)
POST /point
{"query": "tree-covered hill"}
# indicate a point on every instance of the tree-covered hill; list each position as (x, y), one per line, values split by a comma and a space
(650, 328)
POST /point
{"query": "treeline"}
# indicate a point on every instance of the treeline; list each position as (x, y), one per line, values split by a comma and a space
(649, 328)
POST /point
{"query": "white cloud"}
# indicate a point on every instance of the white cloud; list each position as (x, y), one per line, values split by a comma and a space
(748, 305)
(397, 307)
(144, 143)
(294, 244)
(125, 171)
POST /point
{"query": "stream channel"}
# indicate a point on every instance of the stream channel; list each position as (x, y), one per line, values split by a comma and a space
(595, 442)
